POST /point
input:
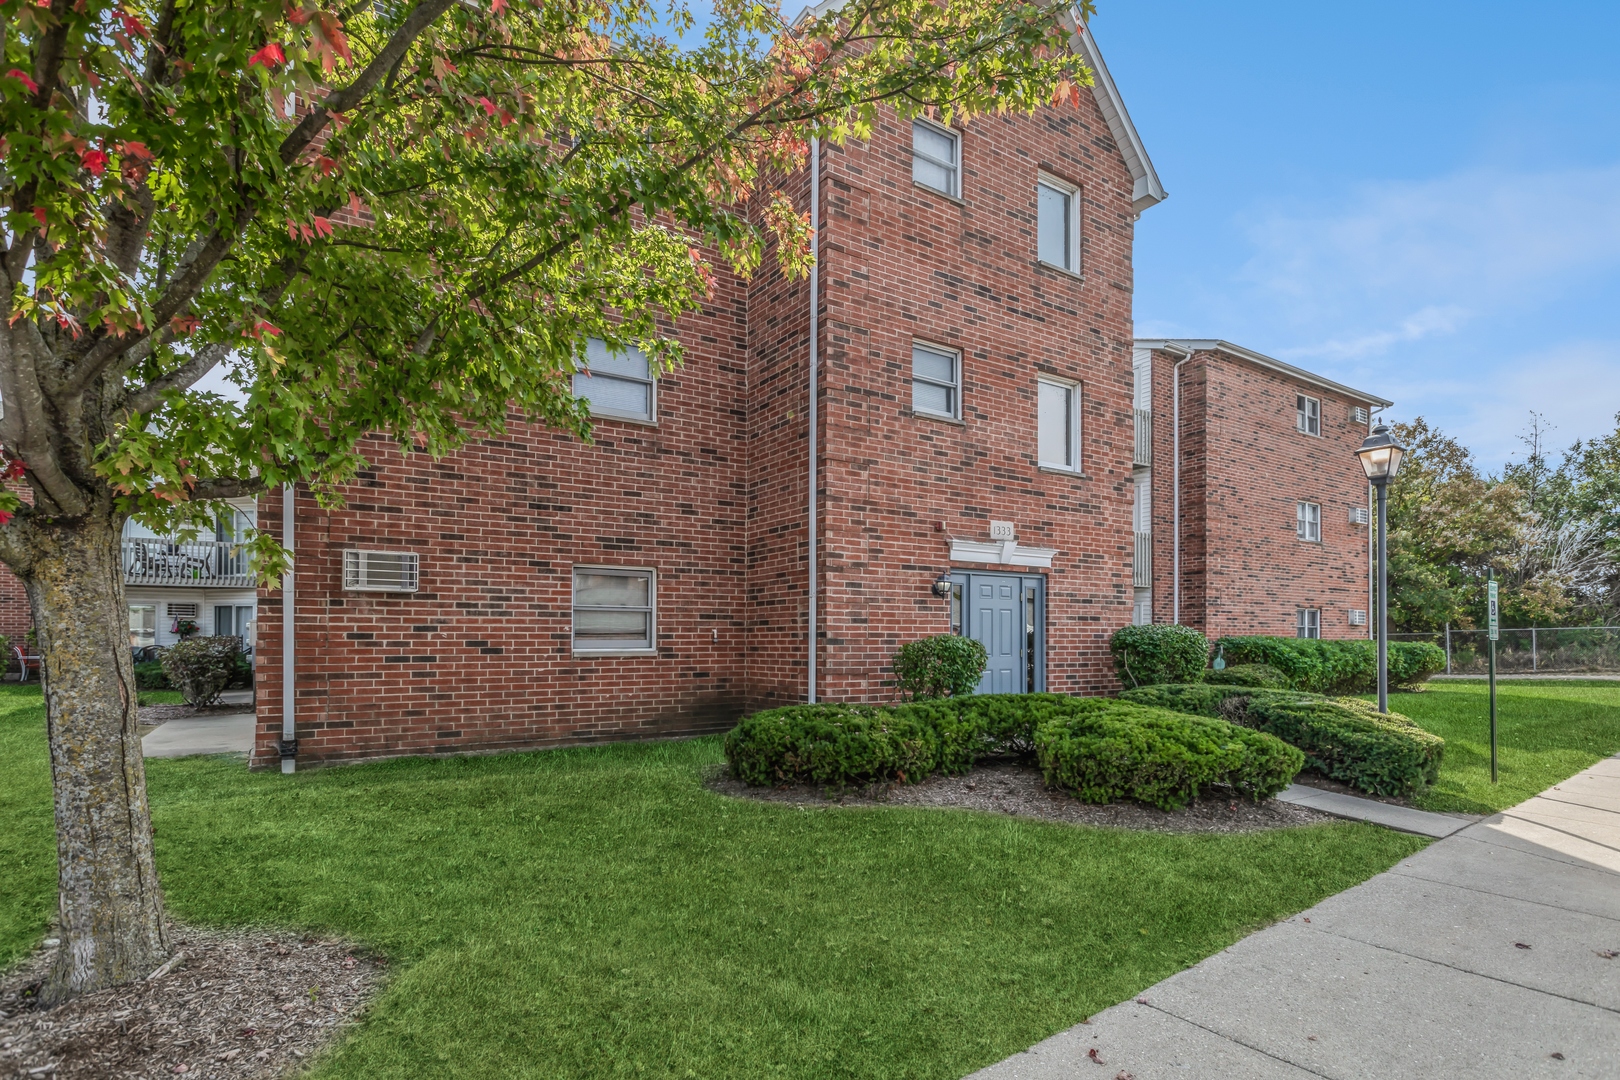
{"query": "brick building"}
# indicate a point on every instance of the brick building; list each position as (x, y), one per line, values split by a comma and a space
(972, 442)
(1251, 508)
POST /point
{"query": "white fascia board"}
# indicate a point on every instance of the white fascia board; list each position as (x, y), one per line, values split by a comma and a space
(1000, 553)
(1146, 189)
(1192, 345)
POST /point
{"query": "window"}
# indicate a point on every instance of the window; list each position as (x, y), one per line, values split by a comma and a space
(1057, 235)
(1058, 421)
(381, 571)
(935, 157)
(1308, 522)
(1308, 623)
(613, 610)
(233, 620)
(142, 625)
(618, 385)
(936, 381)
(1308, 415)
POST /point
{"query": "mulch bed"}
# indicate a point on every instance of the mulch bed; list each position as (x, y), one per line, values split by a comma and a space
(1016, 788)
(234, 1005)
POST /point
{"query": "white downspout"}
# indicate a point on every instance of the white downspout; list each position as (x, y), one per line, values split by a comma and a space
(815, 297)
(289, 666)
(1175, 488)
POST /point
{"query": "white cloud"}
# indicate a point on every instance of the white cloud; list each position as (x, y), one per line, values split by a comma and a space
(1429, 322)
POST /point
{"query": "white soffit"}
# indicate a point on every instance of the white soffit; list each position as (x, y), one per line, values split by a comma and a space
(1146, 190)
(1192, 345)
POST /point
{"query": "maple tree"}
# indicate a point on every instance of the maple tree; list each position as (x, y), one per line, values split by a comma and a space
(377, 217)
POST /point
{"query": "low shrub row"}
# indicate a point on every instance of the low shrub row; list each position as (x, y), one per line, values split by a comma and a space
(1344, 738)
(1263, 676)
(1099, 749)
(1158, 653)
(1334, 667)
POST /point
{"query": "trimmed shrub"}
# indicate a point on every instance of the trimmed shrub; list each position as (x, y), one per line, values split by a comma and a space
(937, 667)
(832, 745)
(1098, 748)
(1105, 750)
(149, 676)
(200, 667)
(1263, 676)
(1344, 738)
(1412, 662)
(1148, 655)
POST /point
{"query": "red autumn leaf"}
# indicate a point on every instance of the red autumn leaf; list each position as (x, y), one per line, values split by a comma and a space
(132, 25)
(136, 150)
(297, 16)
(331, 28)
(95, 161)
(497, 7)
(1094, 1056)
(261, 328)
(323, 226)
(307, 233)
(292, 229)
(270, 56)
(326, 164)
(14, 469)
(20, 76)
(39, 215)
(489, 106)
(184, 324)
(506, 118)
(5, 516)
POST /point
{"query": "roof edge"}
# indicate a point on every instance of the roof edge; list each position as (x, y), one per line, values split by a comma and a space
(1192, 345)
(1146, 189)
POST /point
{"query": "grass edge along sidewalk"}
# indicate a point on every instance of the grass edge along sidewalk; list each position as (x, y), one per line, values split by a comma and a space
(597, 912)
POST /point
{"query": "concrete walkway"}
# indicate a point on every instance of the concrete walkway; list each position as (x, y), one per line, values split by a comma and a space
(229, 733)
(1493, 953)
(1402, 818)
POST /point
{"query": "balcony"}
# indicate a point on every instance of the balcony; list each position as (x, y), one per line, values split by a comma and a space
(205, 564)
(1142, 450)
(1142, 562)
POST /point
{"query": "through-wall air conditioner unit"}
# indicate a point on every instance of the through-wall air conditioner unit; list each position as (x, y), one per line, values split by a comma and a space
(1358, 415)
(380, 571)
(1358, 618)
(1360, 515)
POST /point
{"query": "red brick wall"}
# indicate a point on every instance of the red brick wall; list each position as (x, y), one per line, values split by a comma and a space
(1245, 466)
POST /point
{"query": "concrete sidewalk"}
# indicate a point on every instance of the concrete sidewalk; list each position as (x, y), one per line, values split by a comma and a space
(1493, 953)
(231, 733)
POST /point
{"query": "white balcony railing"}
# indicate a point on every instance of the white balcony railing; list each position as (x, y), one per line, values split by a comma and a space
(202, 564)
(1142, 561)
(1142, 450)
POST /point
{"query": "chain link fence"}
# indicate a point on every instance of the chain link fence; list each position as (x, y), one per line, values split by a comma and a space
(1550, 650)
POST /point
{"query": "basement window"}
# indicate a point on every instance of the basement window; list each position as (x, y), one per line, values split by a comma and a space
(613, 610)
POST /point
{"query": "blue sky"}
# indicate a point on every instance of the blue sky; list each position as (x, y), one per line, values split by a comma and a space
(1420, 199)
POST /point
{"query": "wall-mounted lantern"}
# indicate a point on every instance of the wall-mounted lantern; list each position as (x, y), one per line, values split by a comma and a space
(942, 587)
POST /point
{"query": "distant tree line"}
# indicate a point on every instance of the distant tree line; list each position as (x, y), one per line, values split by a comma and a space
(1549, 528)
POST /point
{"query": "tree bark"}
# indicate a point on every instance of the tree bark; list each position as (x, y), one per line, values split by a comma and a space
(109, 903)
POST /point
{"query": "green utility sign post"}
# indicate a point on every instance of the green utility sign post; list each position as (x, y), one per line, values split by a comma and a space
(1490, 600)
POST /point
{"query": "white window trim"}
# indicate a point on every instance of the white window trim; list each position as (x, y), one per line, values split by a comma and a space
(1073, 193)
(956, 368)
(1302, 622)
(1078, 404)
(651, 419)
(652, 610)
(1302, 419)
(1303, 521)
(954, 167)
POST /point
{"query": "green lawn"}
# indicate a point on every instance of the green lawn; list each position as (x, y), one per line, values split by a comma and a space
(599, 913)
(1546, 732)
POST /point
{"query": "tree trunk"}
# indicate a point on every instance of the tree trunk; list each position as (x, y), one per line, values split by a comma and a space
(109, 902)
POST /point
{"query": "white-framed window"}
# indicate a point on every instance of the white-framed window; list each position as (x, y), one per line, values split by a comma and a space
(1058, 424)
(614, 608)
(142, 625)
(936, 157)
(1308, 622)
(1057, 223)
(936, 381)
(1308, 521)
(618, 385)
(1308, 415)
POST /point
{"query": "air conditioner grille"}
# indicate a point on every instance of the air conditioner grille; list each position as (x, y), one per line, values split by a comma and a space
(1360, 515)
(1357, 617)
(380, 571)
(1358, 415)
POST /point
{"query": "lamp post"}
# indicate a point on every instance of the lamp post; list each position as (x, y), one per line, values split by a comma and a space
(1380, 458)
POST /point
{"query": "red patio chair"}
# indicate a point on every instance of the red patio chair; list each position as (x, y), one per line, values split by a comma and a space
(25, 662)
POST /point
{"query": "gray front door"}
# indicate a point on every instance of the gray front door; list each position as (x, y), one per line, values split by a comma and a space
(1007, 614)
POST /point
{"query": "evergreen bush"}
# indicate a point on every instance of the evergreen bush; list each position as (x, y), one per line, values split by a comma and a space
(938, 667)
(1263, 676)
(149, 676)
(201, 667)
(1344, 738)
(1159, 653)
(1336, 667)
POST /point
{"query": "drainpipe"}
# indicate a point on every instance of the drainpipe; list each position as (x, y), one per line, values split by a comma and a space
(1175, 486)
(815, 296)
(289, 666)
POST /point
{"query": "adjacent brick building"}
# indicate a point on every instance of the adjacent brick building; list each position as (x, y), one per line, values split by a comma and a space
(1273, 519)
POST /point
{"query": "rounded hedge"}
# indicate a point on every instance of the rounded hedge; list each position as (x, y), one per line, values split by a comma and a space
(1098, 748)
(1263, 676)
(1321, 666)
(948, 665)
(1158, 653)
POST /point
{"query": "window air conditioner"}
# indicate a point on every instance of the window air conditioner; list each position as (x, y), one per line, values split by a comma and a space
(1360, 515)
(1358, 618)
(380, 571)
(1358, 415)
